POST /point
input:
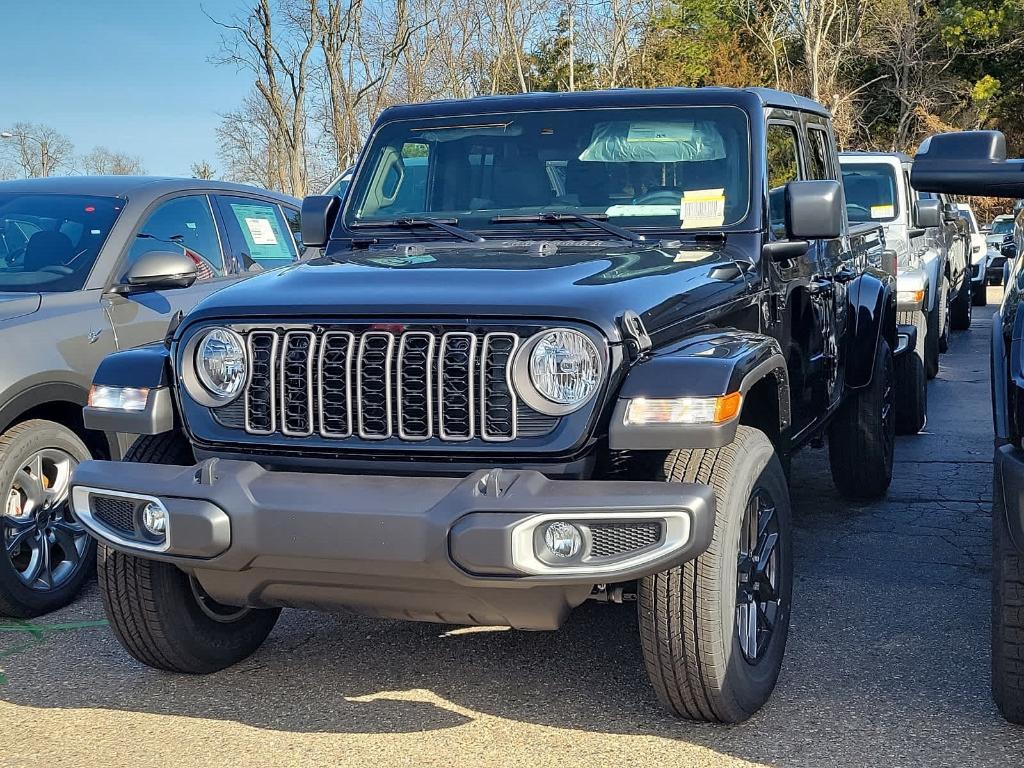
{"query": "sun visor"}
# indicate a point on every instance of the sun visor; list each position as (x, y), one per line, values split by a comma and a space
(650, 141)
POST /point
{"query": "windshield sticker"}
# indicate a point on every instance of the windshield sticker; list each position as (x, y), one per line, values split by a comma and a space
(702, 208)
(643, 210)
(883, 211)
(262, 231)
(686, 257)
(403, 261)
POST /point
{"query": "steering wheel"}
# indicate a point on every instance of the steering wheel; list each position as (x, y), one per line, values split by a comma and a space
(854, 211)
(660, 196)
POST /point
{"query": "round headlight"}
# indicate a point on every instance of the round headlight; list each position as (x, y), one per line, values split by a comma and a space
(221, 364)
(565, 367)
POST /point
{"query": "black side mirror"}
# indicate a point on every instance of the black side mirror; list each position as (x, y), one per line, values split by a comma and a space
(927, 213)
(967, 163)
(318, 215)
(159, 270)
(950, 212)
(814, 210)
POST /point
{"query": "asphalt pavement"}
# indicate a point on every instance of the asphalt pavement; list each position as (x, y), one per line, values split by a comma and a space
(887, 665)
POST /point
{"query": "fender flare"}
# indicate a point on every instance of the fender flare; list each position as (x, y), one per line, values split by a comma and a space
(871, 302)
(146, 367)
(707, 365)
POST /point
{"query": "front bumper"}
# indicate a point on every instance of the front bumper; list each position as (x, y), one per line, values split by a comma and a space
(455, 550)
(1008, 467)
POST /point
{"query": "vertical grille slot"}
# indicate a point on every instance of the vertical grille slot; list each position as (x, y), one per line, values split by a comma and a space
(498, 406)
(334, 374)
(415, 398)
(455, 391)
(297, 383)
(260, 410)
(373, 383)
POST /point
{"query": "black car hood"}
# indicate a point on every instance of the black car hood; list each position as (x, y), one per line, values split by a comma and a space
(17, 304)
(592, 282)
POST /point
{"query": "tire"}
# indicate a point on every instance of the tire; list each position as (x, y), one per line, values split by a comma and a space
(944, 316)
(1007, 617)
(690, 615)
(160, 614)
(931, 344)
(911, 381)
(962, 306)
(862, 435)
(45, 554)
(979, 296)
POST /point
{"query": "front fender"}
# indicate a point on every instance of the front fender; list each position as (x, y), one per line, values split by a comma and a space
(711, 364)
(872, 311)
(147, 367)
(931, 263)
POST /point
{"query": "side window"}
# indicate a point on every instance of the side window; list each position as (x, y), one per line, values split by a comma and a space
(783, 167)
(258, 232)
(184, 223)
(820, 157)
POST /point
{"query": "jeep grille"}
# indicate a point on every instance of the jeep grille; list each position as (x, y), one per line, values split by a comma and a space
(413, 384)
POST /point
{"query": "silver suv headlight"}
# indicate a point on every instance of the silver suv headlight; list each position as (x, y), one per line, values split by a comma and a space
(221, 364)
(558, 371)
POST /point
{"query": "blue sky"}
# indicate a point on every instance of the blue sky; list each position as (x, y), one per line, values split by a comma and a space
(131, 76)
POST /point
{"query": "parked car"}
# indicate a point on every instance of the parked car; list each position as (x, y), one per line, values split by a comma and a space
(508, 399)
(88, 266)
(877, 189)
(974, 163)
(1001, 246)
(980, 256)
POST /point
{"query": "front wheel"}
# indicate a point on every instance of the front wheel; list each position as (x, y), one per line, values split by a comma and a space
(961, 307)
(162, 615)
(45, 553)
(1007, 617)
(862, 435)
(713, 630)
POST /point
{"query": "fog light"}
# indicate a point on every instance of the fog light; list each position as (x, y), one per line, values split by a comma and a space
(154, 519)
(563, 539)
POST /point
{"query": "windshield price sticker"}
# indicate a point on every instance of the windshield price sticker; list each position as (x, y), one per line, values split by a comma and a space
(702, 208)
(262, 231)
(883, 211)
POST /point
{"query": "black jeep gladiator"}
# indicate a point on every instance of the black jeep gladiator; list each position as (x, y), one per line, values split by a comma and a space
(974, 163)
(559, 347)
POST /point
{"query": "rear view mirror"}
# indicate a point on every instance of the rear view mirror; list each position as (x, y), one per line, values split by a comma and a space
(927, 213)
(814, 210)
(317, 221)
(967, 163)
(159, 270)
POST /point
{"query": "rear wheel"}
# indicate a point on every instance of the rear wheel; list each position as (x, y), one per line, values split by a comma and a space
(162, 615)
(714, 630)
(912, 381)
(862, 435)
(1007, 617)
(45, 553)
(960, 311)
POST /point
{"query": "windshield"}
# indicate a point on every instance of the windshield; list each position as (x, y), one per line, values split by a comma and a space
(49, 242)
(662, 168)
(870, 192)
(1002, 226)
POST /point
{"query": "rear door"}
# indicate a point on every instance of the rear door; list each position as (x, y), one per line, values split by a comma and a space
(183, 222)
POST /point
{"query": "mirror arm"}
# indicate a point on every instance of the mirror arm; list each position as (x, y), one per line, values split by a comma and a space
(783, 250)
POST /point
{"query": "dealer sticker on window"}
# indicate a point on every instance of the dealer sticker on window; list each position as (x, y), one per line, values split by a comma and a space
(882, 211)
(702, 208)
(262, 231)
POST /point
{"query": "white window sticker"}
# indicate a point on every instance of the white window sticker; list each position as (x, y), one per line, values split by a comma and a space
(882, 211)
(702, 208)
(262, 231)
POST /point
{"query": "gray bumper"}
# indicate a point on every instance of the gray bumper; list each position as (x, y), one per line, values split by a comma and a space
(457, 550)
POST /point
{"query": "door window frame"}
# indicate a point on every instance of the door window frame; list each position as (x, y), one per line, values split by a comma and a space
(801, 170)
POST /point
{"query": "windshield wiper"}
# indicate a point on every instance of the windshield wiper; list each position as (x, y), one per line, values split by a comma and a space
(555, 217)
(445, 225)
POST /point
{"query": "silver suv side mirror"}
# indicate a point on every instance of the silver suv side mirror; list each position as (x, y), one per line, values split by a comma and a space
(159, 270)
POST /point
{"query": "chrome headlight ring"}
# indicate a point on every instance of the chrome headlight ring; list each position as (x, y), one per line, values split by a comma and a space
(557, 371)
(215, 366)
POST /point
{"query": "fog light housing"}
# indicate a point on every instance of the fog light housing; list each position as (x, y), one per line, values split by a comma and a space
(154, 519)
(119, 398)
(563, 540)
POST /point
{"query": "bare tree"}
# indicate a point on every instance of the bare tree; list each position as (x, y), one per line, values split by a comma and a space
(202, 170)
(275, 44)
(102, 161)
(249, 145)
(39, 150)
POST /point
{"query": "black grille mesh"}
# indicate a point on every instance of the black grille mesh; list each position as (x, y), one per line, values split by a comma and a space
(456, 372)
(114, 512)
(336, 350)
(414, 372)
(296, 375)
(497, 420)
(260, 392)
(610, 539)
(374, 385)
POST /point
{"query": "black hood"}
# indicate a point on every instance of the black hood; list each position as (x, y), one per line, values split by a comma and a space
(589, 282)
